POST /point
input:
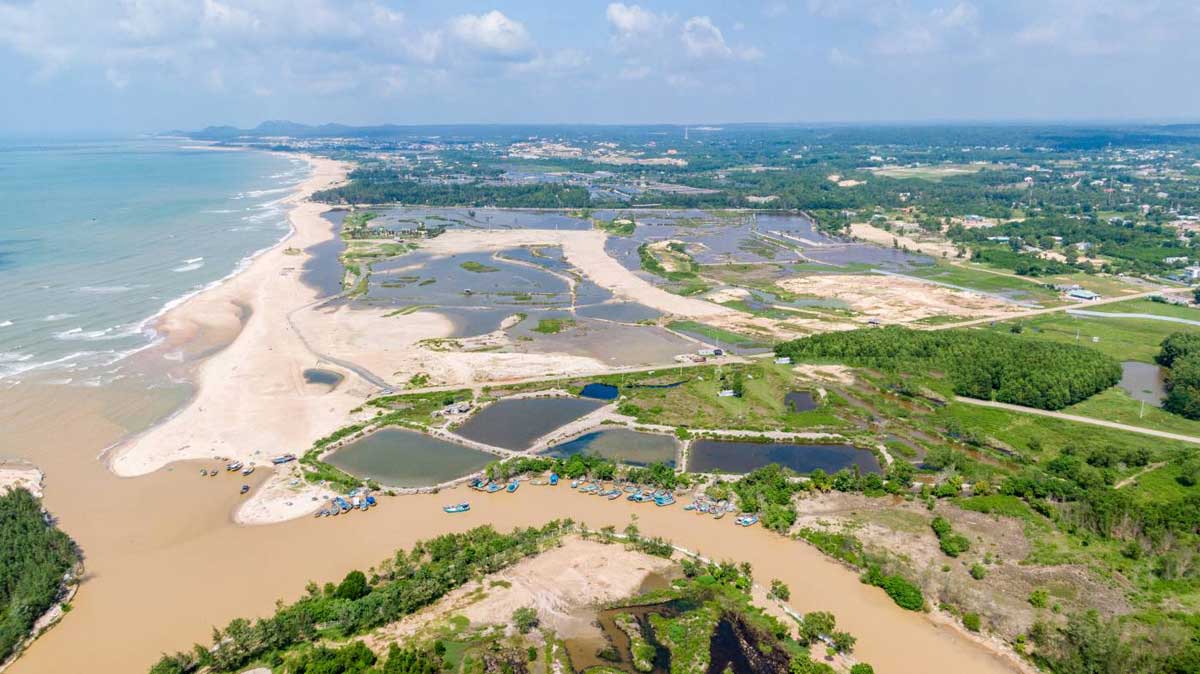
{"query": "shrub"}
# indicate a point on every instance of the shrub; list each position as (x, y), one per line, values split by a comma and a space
(525, 619)
(862, 668)
(978, 571)
(972, 621)
(780, 590)
(1038, 598)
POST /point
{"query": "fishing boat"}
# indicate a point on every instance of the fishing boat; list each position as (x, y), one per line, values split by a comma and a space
(614, 494)
(718, 515)
(282, 459)
(589, 489)
(664, 500)
(629, 489)
(640, 497)
(247, 470)
(457, 507)
(553, 479)
(203, 472)
(372, 502)
(747, 520)
(233, 466)
(512, 486)
(245, 488)
(574, 484)
(690, 506)
(493, 487)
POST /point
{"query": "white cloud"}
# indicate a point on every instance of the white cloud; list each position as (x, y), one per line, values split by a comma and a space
(493, 34)
(703, 40)
(631, 21)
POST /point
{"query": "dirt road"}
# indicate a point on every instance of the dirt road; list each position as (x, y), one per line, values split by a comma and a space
(1083, 420)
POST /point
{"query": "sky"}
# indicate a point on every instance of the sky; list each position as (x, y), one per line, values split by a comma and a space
(135, 66)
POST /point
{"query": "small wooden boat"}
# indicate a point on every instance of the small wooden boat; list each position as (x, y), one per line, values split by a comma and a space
(457, 507)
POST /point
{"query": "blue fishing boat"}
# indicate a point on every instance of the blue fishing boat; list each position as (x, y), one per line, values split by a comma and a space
(372, 502)
(457, 507)
(553, 479)
(690, 506)
(493, 487)
(747, 520)
(282, 459)
(664, 500)
(512, 486)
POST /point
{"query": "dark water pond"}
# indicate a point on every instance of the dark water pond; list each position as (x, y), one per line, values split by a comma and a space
(621, 445)
(799, 401)
(1143, 381)
(402, 458)
(743, 457)
(600, 391)
(314, 375)
(515, 424)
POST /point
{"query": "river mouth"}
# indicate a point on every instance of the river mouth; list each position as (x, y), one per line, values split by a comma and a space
(407, 459)
(724, 456)
(517, 424)
(621, 445)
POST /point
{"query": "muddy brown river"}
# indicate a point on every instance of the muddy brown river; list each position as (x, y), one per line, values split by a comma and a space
(165, 562)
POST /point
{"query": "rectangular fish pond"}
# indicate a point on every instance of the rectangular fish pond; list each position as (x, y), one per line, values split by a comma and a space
(403, 458)
(516, 424)
(728, 456)
(621, 445)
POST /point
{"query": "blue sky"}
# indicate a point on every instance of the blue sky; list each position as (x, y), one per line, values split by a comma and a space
(145, 65)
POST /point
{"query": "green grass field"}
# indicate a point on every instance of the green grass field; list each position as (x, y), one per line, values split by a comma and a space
(696, 404)
(977, 278)
(1145, 306)
(1123, 338)
(1116, 405)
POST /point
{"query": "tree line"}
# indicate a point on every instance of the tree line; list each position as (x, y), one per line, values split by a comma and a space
(35, 557)
(979, 364)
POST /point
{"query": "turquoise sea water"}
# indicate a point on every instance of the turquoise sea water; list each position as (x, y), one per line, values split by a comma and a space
(98, 238)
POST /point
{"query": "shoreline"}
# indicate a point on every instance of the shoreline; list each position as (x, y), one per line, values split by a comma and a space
(248, 365)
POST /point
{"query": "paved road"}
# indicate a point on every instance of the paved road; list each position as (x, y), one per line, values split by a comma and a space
(1082, 420)
(1082, 306)
(1115, 314)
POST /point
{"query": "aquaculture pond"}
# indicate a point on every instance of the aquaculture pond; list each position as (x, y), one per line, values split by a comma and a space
(402, 458)
(1143, 381)
(742, 457)
(621, 445)
(516, 424)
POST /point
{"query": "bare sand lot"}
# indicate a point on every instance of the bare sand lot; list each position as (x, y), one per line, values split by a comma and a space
(872, 234)
(895, 299)
(20, 476)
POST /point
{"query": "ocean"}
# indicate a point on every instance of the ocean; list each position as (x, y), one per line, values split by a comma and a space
(99, 238)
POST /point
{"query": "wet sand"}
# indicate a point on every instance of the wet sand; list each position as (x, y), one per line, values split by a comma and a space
(165, 561)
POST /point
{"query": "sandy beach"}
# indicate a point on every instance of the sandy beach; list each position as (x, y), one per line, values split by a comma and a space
(20, 476)
(252, 401)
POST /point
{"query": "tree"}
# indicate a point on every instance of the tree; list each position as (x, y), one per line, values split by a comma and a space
(779, 590)
(816, 624)
(843, 642)
(525, 619)
(862, 668)
(353, 586)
